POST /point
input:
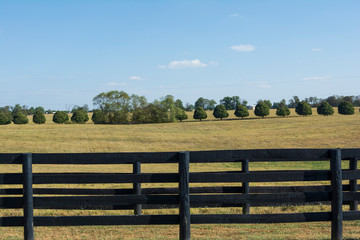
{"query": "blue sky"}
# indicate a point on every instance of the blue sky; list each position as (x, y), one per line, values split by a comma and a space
(60, 53)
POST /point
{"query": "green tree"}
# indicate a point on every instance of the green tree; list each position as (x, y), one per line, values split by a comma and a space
(303, 108)
(267, 102)
(189, 107)
(282, 110)
(79, 116)
(205, 104)
(346, 108)
(98, 117)
(200, 113)
(20, 118)
(181, 114)
(325, 109)
(241, 111)
(179, 104)
(138, 102)
(220, 112)
(18, 108)
(40, 109)
(7, 111)
(231, 103)
(4, 119)
(120, 117)
(262, 109)
(152, 113)
(110, 102)
(39, 117)
(167, 104)
(60, 117)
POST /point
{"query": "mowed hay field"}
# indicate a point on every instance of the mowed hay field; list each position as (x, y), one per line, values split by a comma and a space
(275, 132)
(271, 132)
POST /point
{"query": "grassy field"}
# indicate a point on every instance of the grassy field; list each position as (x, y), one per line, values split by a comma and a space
(274, 132)
(293, 132)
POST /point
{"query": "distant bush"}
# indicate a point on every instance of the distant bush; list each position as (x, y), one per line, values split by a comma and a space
(152, 113)
(303, 108)
(282, 110)
(120, 117)
(60, 117)
(39, 117)
(20, 118)
(80, 116)
(4, 119)
(325, 109)
(346, 108)
(241, 111)
(200, 113)
(98, 117)
(180, 114)
(262, 109)
(220, 112)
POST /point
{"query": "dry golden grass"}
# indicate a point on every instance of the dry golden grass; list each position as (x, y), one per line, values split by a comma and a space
(291, 132)
(294, 132)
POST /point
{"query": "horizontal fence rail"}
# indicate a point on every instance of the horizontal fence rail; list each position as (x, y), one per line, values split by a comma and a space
(19, 191)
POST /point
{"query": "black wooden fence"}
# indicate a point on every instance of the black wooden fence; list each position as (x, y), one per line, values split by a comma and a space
(183, 197)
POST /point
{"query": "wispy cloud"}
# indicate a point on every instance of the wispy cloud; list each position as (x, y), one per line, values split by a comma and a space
(168, 87)
(1, 31)
(116, 84)
(196, 63)
(136, 78)
(263, 85)
(234, 15)
(316, 78)
(213, 63)
(316, 49)
(243, 48)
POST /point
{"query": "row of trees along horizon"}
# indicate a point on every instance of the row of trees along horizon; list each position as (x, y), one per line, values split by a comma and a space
(118, 107)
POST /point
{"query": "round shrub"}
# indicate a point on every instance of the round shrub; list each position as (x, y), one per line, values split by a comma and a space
(98, 117)
(200, 113)
(4, 119)
(282, 110)
(39, 117)
(325, 109)
(241, 111)
(262, 109)
(180, 114)
(303, 108)
(80, 116)
(60, 117)
(20, 118)
(346, 108)
(220, 112)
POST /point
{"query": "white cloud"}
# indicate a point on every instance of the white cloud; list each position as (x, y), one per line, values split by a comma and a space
(213, 63)
(136, 78)
(234, 15)
(184, 64)
(115, 84)
(316, 78)
(316, 49)
(243, 48)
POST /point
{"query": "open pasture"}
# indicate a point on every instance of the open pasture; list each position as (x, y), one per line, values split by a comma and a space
(276, 132)
(294, 132)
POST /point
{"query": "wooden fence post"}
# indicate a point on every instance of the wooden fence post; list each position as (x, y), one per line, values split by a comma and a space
(28, 201)
(336, 195)
(353, 184)
(184, 195)
(245, 186)
(137, 187)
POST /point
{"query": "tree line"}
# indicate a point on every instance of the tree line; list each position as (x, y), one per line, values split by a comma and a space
(118, 107)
